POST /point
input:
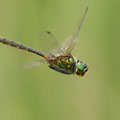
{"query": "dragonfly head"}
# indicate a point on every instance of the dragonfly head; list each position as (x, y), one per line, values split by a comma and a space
(81, 68)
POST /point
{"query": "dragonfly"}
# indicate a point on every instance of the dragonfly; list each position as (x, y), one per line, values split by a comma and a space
(61, 59)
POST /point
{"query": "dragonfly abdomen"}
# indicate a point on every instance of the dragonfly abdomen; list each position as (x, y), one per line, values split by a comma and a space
(21, 46)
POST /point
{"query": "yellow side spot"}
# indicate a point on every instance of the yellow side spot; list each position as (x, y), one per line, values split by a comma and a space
(67, 60)
(46, 56)
(68, 66)
(9, 44)
(63, 60)
(71, 60)
(17, 46)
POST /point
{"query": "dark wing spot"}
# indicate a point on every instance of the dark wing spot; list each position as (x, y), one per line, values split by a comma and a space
(48, 32)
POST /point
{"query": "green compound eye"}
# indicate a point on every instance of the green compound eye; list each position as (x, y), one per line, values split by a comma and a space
(80, 66)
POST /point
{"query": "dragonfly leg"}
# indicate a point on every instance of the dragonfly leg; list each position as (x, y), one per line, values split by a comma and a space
(59, 70)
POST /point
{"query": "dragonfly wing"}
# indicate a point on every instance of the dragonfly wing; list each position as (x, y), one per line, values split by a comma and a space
(69, 44)
(34, 63)
(73, 40)
(51, 45)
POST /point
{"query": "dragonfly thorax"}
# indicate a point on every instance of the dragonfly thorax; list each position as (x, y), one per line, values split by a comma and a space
(65, 64)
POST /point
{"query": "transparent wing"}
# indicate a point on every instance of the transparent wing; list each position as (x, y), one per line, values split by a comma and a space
(34, 63)
(51, 45)
(73, 40)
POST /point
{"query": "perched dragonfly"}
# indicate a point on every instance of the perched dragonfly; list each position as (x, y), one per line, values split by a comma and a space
(61, 59)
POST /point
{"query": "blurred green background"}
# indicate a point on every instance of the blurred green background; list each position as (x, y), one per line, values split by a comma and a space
(43, 94)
